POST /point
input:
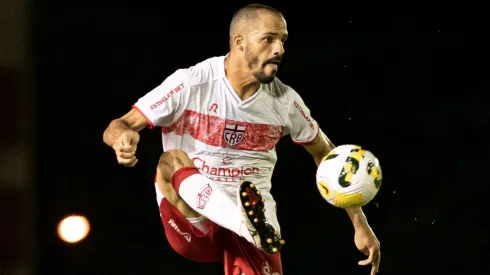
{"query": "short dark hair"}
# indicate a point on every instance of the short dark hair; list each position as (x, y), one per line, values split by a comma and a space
(249, 12)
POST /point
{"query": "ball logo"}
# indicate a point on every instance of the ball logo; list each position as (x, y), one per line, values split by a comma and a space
(234, 134)
(203, 196)
(324, 189)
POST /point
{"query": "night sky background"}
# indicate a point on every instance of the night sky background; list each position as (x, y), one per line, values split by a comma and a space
(408, 82)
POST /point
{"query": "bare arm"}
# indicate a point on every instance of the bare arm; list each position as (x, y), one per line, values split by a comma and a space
(319, 148)
(133, 121)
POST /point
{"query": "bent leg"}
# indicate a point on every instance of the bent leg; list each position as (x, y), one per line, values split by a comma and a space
(194, 194)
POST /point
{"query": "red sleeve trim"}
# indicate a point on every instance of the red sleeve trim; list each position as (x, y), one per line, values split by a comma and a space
(150, 124)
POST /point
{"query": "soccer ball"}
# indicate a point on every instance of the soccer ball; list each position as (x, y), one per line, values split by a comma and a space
(349, 176)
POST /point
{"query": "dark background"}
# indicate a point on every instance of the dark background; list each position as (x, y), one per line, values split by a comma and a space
(407, 81)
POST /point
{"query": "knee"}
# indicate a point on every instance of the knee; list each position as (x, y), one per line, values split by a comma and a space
(171, 161)
(176, 159)
(177, 154)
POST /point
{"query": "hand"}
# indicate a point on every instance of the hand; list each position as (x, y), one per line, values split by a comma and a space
(125, 147)
(368, 244)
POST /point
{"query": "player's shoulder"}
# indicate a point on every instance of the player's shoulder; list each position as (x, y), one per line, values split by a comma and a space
(280, 91)
(205, 71)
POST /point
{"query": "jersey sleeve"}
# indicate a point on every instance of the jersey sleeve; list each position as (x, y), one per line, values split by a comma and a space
(301, 126)
(164, 104)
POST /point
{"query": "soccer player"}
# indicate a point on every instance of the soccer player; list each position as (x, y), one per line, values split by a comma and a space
(221, 120)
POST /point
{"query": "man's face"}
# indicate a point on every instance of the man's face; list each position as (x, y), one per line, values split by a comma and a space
(265, 46)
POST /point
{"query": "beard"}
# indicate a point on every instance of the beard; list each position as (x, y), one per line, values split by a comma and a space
(262, 78)
(253, 62)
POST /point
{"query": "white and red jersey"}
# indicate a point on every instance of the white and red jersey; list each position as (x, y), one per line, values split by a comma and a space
(230, 140)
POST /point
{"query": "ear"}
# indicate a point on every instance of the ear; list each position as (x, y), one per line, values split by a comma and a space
(238, 41)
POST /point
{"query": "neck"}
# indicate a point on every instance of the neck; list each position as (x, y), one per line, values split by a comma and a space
(240, 78)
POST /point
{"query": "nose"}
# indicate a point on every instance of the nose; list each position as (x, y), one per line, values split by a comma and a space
(279, 49)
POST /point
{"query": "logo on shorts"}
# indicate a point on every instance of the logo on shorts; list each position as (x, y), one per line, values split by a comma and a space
(203, 196)
(186, 236)
(234, 134)
(267, 269)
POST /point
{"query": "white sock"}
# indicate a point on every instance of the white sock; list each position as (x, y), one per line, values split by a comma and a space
(201, 223)
(211, 200)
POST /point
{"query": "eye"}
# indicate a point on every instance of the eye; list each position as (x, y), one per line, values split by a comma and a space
(269, 39)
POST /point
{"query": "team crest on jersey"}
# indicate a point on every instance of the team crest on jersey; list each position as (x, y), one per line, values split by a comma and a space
(234, 134)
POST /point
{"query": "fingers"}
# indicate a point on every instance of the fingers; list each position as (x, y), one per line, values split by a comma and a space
(374, 259)
(369, 260)
(375, 268)
(126, 155)
(131, 162)
(125, 140)
(377, 261)
(125, 150)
